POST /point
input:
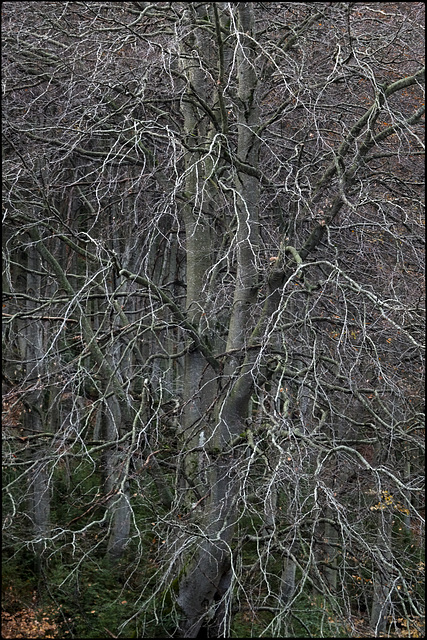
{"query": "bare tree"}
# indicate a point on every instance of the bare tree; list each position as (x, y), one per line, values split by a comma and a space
(213, 303)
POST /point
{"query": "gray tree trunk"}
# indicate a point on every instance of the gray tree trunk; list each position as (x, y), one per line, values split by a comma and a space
(208, 576)
(381, 599)
(34, 417)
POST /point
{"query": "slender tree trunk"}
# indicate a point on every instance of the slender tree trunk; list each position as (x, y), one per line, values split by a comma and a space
(116, 484)
(34, 422)
(381, 600)
(199, 386)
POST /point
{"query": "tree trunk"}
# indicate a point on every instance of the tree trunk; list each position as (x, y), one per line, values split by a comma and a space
(208, 575)
(34, 422)
(381, 599)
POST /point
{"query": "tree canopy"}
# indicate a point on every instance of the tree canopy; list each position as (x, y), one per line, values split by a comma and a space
(213, 317)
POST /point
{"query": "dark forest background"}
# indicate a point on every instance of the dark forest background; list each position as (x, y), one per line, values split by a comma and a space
(213, 319)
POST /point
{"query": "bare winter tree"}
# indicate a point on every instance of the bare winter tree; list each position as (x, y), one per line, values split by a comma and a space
(213, 308)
